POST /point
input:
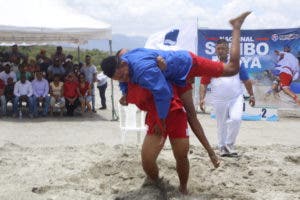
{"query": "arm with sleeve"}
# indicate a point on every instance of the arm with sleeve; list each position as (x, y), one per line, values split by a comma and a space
(14, 76)
(123, 87)
(30, 90)
(46, 91)
(16, 89)
(145, 72)
(154, 80)
(243, 74)
(34, 88)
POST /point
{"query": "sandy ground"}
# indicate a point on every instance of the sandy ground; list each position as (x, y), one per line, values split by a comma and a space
(81, 158)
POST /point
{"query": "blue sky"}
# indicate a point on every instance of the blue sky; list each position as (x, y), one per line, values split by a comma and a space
(144, 17)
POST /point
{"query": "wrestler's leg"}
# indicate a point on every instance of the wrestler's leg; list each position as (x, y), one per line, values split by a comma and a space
(150, 151)
(233, 66)
(180, 147)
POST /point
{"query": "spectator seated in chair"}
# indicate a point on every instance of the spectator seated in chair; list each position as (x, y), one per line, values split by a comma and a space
(40, 87)
(23, 93)
(57, 94)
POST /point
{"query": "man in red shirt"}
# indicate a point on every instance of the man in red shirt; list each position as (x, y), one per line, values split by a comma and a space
(70, 94)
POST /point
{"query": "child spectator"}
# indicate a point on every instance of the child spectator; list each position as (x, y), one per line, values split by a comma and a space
(84, 92)
(70, 94)
(57, 94)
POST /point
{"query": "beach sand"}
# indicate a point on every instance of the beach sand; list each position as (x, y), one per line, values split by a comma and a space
(82, 158)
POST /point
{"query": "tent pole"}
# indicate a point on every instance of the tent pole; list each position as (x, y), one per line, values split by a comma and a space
(78, 53)
(115, 116)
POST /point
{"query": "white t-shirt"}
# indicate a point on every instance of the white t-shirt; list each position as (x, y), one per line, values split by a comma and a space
(21, 89)
(225, 88)
(101, 79)
(89, 72)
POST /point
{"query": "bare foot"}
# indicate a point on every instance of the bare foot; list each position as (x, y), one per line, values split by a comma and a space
(237, 22)
(215, 160)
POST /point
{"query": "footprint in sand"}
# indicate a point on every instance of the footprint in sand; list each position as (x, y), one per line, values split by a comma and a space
(293, 159)
(40, 190)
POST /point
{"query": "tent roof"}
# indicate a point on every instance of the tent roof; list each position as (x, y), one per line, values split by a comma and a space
(47, 22)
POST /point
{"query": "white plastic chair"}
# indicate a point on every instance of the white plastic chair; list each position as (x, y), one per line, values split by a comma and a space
(131, 119)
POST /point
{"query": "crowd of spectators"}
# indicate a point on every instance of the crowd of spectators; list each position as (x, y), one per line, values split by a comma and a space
(48, 85)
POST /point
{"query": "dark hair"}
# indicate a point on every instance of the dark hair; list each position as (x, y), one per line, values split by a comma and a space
(109, 65)
(23, 75)
(222, 41)
(70, 56)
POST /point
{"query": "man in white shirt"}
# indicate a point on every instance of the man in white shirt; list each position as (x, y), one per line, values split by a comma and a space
(8, 73)
(23, 92)
(227, 100)
(90, 72)
(102, 85)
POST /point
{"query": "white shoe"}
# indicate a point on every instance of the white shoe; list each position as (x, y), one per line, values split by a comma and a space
(231, 150)
(224, 152)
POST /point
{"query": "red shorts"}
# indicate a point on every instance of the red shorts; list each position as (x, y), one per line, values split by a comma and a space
(176, 124)
(285, 79)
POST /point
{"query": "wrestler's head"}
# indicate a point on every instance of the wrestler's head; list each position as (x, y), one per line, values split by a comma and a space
(222, 50)
(115, 68)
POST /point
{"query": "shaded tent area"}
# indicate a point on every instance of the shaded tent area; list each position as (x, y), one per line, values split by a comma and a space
(36, 22)
(48, 35)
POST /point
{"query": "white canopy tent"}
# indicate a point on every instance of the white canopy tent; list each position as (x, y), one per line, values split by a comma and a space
(47, 35)
(41, 22)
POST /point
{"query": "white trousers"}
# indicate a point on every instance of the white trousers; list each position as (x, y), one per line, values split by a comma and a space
(228, 116)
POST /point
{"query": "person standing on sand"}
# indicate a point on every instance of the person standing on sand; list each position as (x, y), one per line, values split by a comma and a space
(227, 101)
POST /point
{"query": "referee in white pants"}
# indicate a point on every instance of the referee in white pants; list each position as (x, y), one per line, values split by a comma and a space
(227, 101)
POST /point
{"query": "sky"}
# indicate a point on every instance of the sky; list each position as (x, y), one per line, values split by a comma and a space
(145, 17)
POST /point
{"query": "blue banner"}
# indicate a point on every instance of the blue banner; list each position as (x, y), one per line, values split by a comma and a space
(257, 46)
